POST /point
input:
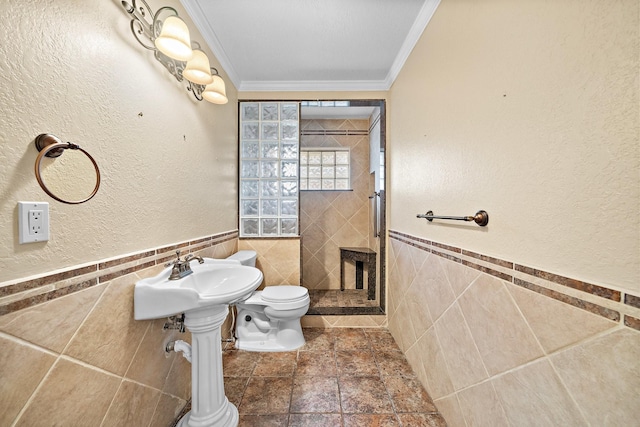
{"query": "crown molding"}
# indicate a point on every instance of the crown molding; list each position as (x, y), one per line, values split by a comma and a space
(421, 22)
(197, 16)
(313, 86)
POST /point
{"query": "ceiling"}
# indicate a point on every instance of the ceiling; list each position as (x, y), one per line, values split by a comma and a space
(311, 45)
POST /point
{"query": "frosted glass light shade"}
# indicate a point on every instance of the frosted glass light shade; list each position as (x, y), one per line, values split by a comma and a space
(215, 92)
(174, 40)
(198, 70)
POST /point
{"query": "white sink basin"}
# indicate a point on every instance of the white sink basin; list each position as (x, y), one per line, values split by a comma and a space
(215, 282)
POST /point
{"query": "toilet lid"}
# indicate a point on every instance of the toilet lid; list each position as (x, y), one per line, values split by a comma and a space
(284, 293)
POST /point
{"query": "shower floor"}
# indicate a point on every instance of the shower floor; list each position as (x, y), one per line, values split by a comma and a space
(335, 301)
(338, 298)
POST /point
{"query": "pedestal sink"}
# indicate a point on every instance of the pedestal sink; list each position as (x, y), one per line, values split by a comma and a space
(204, 297)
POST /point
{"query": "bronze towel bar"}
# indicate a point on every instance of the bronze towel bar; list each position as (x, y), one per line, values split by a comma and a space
(481, 217)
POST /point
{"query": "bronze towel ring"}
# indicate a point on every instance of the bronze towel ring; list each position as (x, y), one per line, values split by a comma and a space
(51, 146)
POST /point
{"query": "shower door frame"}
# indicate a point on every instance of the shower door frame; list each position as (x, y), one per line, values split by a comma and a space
(382, 231)
(380, 309)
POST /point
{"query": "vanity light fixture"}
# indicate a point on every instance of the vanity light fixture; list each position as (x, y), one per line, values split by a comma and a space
(172, 46)
(197, 69)
(174, 40)
(215, 92)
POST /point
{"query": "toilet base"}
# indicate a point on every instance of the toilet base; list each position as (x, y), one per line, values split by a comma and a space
(283, 335)
(268, 346)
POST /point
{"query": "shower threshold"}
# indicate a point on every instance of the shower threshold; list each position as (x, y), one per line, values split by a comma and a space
(337, 302)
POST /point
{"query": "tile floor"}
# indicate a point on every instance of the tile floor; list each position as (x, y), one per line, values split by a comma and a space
(340, 377)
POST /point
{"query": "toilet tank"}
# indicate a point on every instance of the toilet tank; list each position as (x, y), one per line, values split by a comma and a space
(247, 258)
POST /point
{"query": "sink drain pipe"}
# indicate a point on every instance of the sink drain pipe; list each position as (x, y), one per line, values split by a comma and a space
(179, 346)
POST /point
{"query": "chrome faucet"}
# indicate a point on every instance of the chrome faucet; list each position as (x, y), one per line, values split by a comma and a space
(181, 267)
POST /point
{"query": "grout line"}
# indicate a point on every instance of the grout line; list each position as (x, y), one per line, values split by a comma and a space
(475, 344)
(493, 387)
(92, 367)
(568, 391)
(155, 409)
(104, 417)
(26, 343)
(135, 353)
(524, 318)
(95, 304)
(457, 397)
(35, 391)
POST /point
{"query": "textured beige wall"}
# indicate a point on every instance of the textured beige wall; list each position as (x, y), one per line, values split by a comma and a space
(168, 163)
(529, 110)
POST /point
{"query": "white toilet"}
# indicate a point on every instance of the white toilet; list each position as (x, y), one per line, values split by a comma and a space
(269, 320)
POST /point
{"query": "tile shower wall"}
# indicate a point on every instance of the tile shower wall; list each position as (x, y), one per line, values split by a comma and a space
(331, 219)
(496, 343)
(73, 355)
(278, 259)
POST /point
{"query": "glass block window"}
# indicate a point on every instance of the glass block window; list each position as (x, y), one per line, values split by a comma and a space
(269, 169)
(325, 169)
(325, 103)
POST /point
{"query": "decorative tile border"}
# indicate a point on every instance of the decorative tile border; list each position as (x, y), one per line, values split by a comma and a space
(597, 299)
(576, 302)
(46, 280)
(575, 284)
(632, 322)
(632, 300)
(23, 294)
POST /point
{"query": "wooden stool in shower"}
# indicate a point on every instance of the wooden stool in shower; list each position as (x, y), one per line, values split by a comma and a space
(360, 256)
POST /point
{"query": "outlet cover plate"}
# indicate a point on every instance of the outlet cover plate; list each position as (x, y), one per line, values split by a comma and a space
(33, 222)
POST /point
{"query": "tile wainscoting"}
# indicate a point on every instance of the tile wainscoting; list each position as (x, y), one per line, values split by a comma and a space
(498, 343)
(74, 355)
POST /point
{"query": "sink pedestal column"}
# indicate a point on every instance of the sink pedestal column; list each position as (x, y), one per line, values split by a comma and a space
(209, 405)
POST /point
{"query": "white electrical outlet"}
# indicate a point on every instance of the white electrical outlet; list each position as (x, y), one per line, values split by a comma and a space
(33, 222)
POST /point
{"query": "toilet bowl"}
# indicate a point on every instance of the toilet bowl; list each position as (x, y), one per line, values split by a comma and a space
(269, 320)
